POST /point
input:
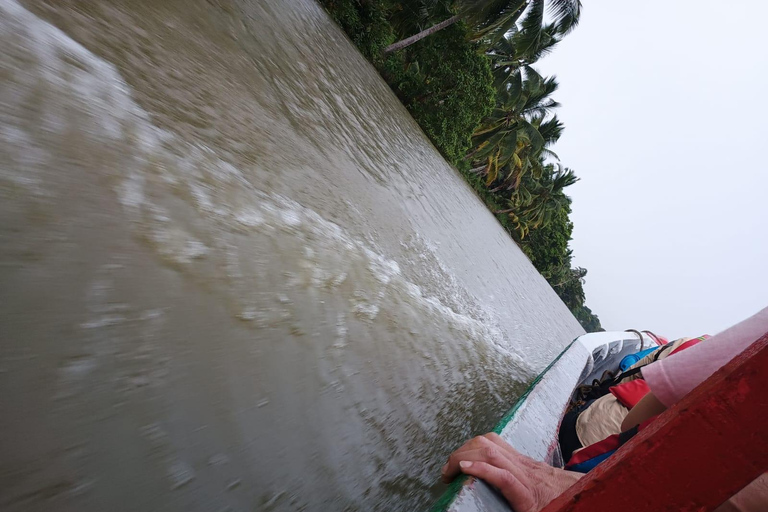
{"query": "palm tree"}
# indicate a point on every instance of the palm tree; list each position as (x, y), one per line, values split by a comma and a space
(567, 275)
(513, 138)
(507, 56)
(491, 19)
(537, 201)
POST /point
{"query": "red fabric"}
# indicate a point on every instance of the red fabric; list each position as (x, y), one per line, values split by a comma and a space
(595, 449)
(608, 444)
(690, 343)
(629, 393)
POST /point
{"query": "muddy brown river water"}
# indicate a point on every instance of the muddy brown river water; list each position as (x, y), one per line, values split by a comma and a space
(234, 274)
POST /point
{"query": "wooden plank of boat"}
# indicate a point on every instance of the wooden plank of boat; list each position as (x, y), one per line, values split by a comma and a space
(532, 424)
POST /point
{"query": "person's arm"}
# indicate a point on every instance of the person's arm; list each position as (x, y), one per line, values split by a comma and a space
(648, 407)
(672, 378)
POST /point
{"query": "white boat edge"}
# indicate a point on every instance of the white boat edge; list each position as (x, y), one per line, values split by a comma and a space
(532, 424)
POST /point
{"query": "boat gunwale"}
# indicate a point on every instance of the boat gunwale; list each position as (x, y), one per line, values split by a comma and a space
(455, 488)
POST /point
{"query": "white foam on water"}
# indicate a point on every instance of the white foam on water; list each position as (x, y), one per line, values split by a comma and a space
(180, 474)
(281, 269)
(79, 92)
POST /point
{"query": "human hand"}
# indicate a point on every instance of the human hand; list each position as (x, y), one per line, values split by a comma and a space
(527, 485)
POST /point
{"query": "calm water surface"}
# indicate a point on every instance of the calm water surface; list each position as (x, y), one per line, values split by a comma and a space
(234, 274)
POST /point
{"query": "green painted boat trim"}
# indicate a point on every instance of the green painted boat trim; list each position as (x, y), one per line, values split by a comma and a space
(454, 487)
(449, 495)
(520, 401)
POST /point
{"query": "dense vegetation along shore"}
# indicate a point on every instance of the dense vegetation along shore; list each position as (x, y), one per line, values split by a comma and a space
(464, 71)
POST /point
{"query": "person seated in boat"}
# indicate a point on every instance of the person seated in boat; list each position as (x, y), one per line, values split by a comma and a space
(606, 404)
(529, 485)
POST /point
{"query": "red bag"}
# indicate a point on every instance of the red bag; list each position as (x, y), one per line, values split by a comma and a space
(630, 392)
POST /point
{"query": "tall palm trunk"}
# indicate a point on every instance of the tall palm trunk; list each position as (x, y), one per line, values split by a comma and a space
(421, 35)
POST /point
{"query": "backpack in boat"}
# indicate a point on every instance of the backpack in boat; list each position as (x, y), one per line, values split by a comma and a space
(602, 387)
(609, 379)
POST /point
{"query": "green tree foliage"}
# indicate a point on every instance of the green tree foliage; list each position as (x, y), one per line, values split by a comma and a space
(445, 81)
(367, 25)
(536, 201)
(514, 140)
(448, 88)
(472, 88)
(547, 248)
(492, 19)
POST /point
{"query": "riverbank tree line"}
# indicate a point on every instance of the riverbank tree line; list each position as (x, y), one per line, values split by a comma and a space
(465, 71)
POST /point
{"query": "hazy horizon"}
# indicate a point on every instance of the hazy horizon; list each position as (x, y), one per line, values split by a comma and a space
(663, 120)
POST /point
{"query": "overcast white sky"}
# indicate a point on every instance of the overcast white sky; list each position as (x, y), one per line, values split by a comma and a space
(665, 106)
